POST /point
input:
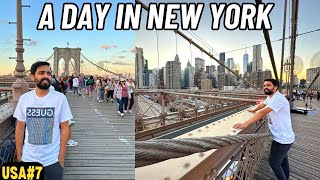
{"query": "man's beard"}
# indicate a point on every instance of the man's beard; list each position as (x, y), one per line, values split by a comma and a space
(268, 92)
(43, 86)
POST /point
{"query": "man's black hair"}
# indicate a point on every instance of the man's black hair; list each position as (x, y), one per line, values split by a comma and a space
(35, 66)
(274, 82)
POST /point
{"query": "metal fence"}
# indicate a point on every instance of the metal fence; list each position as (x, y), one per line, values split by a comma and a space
(7, 141)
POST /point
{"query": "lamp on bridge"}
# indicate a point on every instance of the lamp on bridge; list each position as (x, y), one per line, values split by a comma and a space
(19, 86)
(81, 65)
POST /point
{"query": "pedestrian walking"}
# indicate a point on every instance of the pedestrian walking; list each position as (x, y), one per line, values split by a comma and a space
(122, 95)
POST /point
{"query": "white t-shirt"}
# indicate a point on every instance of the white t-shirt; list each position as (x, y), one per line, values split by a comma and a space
(42, 117)
(279, 119)
(131, 87)
(75, 82)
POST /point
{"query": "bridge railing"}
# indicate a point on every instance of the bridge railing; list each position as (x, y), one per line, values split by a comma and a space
(237, 161)
(161, 111)
(4, 97)
(7, 128)
(209, 156)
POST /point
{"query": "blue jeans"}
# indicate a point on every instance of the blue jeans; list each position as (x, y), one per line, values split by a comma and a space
(122, 102)
(278, 160)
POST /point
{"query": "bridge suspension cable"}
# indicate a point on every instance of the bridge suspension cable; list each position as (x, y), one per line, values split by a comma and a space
(108, 71)
(154, 151)
(49, 57)
(238, 49)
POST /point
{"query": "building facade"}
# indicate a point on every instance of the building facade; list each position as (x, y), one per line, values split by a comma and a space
(257, 64)
(245, 62)
(206, 84)
(311, 74)
(173, 74)
(189, 72)
(139, 67)
(221, 69)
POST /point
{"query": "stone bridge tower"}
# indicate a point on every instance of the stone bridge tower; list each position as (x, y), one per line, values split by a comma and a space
(66, 54)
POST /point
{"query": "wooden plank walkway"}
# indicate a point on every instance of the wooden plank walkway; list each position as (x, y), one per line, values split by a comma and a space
(106, 141)
(304, 154)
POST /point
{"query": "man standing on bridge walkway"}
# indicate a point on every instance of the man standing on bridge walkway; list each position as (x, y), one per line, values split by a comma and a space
(39, 113)
(276, 106)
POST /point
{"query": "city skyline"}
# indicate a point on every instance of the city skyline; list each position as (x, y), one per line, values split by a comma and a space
(224, 41)
(114, 48)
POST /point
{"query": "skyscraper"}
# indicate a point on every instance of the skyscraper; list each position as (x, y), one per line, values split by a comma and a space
(173, 73)
(245, 62)
(199, 65)
(189, 72)
(221, 69)
(145, 73)
(230, 64)
(139, 67)
(257, 64)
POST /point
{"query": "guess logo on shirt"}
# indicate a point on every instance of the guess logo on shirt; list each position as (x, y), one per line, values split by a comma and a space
(39, 123)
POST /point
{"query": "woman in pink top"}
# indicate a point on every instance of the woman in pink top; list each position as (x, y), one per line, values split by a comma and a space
(122, 95)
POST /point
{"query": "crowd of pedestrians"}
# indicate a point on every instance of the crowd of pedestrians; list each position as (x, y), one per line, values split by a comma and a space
(106, 89)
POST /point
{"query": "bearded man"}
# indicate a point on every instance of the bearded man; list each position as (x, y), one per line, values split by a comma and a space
(277, 108)
(42, 128)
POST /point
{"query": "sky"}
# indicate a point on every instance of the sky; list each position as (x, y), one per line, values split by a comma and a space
(223, 40)
(113, 47)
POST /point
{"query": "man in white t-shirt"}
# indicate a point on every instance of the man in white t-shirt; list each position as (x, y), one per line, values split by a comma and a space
(276, 106)
(75, 85)
(39, 114)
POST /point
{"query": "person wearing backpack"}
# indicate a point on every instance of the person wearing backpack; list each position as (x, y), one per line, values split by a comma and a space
(90, 84)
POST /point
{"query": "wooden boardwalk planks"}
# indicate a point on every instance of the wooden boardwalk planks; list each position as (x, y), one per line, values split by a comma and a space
(106, 141)
(304, 156)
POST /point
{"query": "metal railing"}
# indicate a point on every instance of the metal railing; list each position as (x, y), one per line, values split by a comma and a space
(235, 161)
(165, 110)
(7, 141)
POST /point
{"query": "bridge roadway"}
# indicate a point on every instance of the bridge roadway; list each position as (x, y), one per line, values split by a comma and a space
(106, 141)
(304, 156)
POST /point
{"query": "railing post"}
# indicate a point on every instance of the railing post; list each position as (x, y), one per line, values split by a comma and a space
(138, 119)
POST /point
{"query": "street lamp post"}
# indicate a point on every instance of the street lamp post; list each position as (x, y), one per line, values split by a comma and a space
(81, 65)
(19, 86)
(287, 70)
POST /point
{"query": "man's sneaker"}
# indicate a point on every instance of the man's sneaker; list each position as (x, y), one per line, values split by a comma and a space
(121, 114)
(72, 143)
(71, 123)
(130, 111)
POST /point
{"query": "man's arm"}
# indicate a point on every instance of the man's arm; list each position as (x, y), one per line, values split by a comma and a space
(64, 138)
(260, 106)
(19, 136)
(259, 115)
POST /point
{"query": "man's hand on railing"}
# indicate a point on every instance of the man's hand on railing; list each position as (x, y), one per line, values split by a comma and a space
(240, 125)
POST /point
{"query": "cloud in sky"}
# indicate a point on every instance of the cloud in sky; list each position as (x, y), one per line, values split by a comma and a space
(124, 51)
(31, 43)
(121, 63)
(106, 46)
(133, 50)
